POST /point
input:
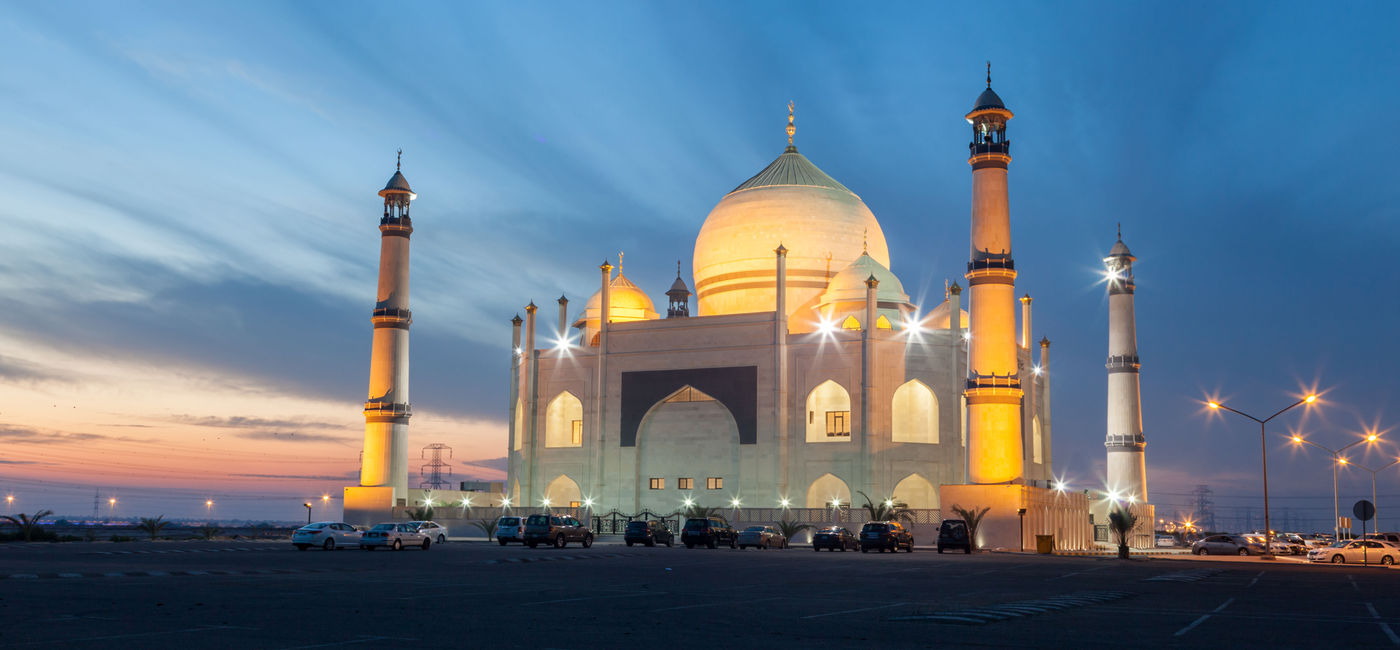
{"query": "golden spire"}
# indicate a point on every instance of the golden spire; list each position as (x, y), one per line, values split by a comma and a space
(619, 263)
(791, 127)
(989, 74)
(865, 242)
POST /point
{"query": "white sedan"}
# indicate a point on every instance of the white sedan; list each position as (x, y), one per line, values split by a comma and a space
(1357, 551)
(325, 534)
(395, 536)
(435, 531)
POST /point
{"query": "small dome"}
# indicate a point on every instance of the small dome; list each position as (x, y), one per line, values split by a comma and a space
(938, 318)
(397, 183)
(988, 100)
(678, 287)
(1119, 250)
(626, 303)
(849, 283)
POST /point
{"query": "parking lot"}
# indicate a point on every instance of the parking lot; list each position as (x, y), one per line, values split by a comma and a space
(473, 594)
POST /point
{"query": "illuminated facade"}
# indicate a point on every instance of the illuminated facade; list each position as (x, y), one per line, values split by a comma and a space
(807, 374)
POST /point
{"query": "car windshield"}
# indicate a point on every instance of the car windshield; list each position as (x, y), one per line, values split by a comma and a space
(408, 528)
(537, 520)
(510, 521)
(874, 527)
(383, 527)
(754, 529)
(636, 525)
(696, 524)
(315, 526)
(831, 529)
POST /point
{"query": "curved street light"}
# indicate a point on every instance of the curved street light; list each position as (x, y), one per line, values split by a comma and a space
(1264, 455)
(1337, 459)
(1377, 525)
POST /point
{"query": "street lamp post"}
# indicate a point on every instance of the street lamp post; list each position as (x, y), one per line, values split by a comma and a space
(1336, 460)
(1377, 525)
(1264, 455)
(308, 511)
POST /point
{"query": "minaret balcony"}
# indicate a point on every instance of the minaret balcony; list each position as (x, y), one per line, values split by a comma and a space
(977, 380)
(375, 409)
(975, 148)
(1123, 363)
(396, 225)
(1133, 442)
(391, 317)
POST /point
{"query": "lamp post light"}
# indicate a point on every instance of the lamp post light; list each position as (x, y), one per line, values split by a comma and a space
(111, 507)
(208, 507)
(1337, 459)
(9, 503)
(1264, 456)
(308, 511)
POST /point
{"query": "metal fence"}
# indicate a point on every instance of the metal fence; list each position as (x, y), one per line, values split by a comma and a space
(615, 522)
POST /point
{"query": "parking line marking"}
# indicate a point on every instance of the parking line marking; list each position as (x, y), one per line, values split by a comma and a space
(852, 611)
(1353, 583)
(1203, 618)
(1256, 579)
(1385, 627)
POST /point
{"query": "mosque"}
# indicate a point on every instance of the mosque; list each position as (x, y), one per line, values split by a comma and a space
(805, 376)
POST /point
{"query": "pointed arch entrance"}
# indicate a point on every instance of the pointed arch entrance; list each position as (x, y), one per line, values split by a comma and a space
(826, 489)
(563, 492)
(916, 491)
(687, 448)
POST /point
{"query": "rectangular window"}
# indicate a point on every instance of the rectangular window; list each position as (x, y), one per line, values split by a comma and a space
(576, 432)
(575, 504)
(838, 424)
(714, 483)
(658, 484)
(685, 483)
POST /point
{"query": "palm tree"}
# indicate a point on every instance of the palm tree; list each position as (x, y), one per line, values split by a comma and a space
(887, 510)
(424, 513)
(697, 511)
(487, 526)
(208, 531)
(153, 527)
(789, 529)
(1122, 522)
(973, 517)
(28, 524)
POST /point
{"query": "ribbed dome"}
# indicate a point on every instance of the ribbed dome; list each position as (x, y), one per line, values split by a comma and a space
(822, 224)
(1119, 250)
(397, 183)
(988, 99)
(849, 284)
(627, 302)
(938, 317)
(678, 286)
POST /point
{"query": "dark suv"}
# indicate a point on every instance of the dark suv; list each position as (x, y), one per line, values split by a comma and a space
(952, 533)
(650, 533)
(556, 530)
(710, 531)
(886, 536)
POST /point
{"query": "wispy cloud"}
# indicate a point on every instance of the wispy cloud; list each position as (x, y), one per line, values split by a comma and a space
(305, 477)
(30, 435)
(489, 463)
(293, 436)
(19, 370)
(18, 462)
(240, 422)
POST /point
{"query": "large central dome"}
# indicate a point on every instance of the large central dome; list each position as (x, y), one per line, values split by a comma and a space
(823, 225)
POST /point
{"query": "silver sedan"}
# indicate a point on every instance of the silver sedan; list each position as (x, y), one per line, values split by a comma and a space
(761, 537)
(325, 534)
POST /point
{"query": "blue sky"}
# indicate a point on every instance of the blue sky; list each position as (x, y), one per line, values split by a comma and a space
(190, 213)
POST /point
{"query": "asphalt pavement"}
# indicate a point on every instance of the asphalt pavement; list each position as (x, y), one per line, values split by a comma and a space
(265, 594)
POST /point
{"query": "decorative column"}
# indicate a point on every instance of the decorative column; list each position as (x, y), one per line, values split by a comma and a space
(780, 376)
(600, 385)
(563, 320)
(867, 380)
(532, 407)
(387, 408)
(515, 432)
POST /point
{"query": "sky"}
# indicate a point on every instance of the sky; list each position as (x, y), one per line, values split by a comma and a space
(191, 240)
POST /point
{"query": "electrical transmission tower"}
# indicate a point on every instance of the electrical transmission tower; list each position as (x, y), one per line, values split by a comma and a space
(432, 471)
(1204, 514)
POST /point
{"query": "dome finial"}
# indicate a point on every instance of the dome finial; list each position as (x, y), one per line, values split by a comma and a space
(398, 162)
(989, 74)
(865, 242)
(678, 269)
(791, 127)
(619, 262)
(1120, 231)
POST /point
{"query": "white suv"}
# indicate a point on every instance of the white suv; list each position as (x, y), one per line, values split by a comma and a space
(510, 528)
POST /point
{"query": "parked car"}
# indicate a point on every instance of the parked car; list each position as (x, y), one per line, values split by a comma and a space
(1277, 545)
(834, 538)
(708, 531)
(650, 533)
(1227, 545)
(952, 533)
(325, 534)
(1393, 538)
(885, 536)
(395, 536)
(761, 537)
(510, 528)
(435, 531)
(1357, 551)
(1295, 543)
(556, 530)
(1166, 541)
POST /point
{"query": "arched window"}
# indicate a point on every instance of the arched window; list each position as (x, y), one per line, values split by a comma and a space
(564, 421)
(850, 323)
(828, 413)
(916, 491)
(519, 425)
(1036, 440)
(914, 413)
(883, 323)
(563, 492)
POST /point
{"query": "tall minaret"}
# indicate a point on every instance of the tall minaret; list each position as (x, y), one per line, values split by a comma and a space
(993, 383)
(1127, 463)
(387, 410)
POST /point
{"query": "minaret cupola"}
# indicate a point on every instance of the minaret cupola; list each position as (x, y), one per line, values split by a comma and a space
(397, 196)
(988, 119)
(1119, 264)
(678, 304)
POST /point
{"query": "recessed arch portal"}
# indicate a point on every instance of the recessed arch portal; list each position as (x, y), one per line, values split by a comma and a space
(519, 425)
(827, 489)
(914, 413)
(917, 492)
(562, 492)
(828, 413)
(1036, 441)
(564, 421)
